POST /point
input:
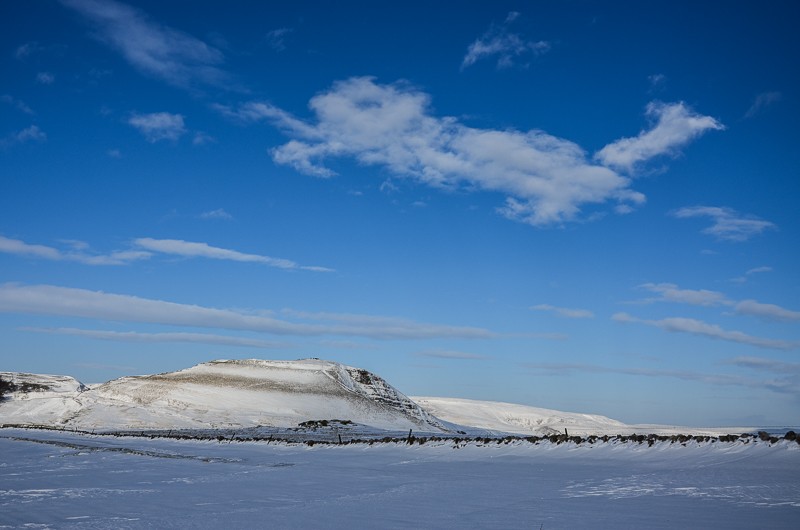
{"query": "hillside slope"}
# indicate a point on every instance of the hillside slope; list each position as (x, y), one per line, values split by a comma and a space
(534, 421)
(221, 394)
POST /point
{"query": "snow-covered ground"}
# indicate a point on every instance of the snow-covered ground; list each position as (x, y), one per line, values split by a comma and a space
(63, 480)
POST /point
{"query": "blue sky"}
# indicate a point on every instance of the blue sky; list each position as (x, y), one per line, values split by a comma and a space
(575, 205)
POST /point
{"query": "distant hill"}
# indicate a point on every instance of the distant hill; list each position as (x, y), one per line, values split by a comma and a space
(281, 394)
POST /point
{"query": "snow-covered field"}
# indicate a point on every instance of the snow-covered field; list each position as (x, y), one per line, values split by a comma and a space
(62, 480)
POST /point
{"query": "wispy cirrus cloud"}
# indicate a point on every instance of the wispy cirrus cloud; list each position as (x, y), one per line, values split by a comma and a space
(97, 305)
(564, 311)
(547, 180)
(219, 213)
(138, 337)
(152, 48)
(704, 329)
(657, 81)
(23, 51)
(276, 38)
(190, 249)
(77, 253)
(728, 224)
(786, 379)
(158, 126)
(750, 272)
(450, 354)
(45, 78)
(669, 292)
(501, 43)
(143, 248)
(762, 101)
(28, 134)
(675, 125)
(766, 311)
(16, 103)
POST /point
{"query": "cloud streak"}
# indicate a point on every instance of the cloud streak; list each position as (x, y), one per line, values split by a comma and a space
(180, 337)
(450, 354)
(766, 311)
(78, 254)
(787, 383)
(564, 312)
(672, 293)
(146, 248)
(762, 101)
(728, 224)
(158, 126)
(704, 329)
(82, 303)
(152, 48)
(675, 125)
(547, 179)
(29, 134)
(188, 249)
(499, 42)
(16, 103)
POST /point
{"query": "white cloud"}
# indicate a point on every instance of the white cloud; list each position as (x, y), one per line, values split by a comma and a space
(219, 213)
(191, 249)
(153, 48)
(672, 293)
(63, 301)
(507, 47)
(158, 126)
(758, 270)
(20, 248)
(28, 134)
(548, 179)
(788, 384)
(201, 138)
(26, 50)
(45, 78)
(564, 312)
(145, 248)
(133, 336)
(77, 254)
(449, 354)
(276, 38)
(16, 103)
(762, 101)
(698, 327)
(675, 126)
(114, 153)
(656, 80)
(766, 311)
(729, 224)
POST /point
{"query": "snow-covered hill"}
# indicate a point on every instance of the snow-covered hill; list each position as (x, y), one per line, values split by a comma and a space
(533, 421)
(282, 394)
(221, 394)
(518, 419)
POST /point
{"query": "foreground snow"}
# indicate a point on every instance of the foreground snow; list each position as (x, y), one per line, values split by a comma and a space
(63, 480)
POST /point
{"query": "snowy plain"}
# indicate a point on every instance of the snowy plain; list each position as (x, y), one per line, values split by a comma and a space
(52, 479)
(61, 479)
